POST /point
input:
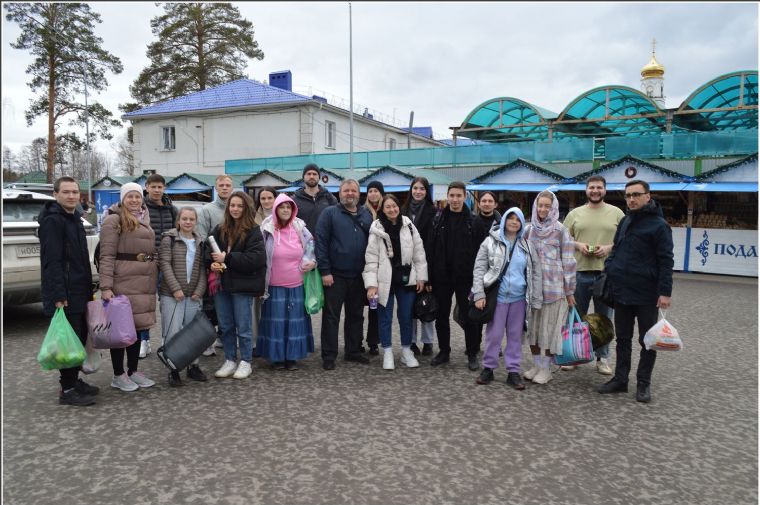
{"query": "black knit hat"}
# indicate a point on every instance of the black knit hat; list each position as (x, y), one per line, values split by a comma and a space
(310, 167)
(377, 185)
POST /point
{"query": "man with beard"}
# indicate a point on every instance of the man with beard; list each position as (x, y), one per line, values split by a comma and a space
(593, 227)
(312, 199)
(341, 240)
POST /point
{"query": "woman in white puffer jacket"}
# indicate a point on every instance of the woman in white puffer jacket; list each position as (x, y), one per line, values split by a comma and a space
(394, 265)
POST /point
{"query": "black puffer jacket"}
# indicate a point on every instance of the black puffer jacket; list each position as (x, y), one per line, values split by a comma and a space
(64, 260)
(482, 225)
(246, 263)
(640, 265)
(162, 217)
(310, 208)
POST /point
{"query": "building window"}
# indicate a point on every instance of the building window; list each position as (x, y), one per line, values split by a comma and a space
(168, 139)
(330, 134)
(391, 144)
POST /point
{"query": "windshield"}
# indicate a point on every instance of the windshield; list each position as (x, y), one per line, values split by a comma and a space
(21, 211)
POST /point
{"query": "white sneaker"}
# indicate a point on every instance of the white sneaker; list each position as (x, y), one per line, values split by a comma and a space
(124, 383)
(568, 367)
(543, 376)
(227, 369)
(210, 351)
(408, 359)
(141, 380)
(243, 370)
(144, 348)
(149, 349)
(603, 366)
(218, 343)
(530, 374)
(388, 363)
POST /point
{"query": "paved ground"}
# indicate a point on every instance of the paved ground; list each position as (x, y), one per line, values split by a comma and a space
(361, 435)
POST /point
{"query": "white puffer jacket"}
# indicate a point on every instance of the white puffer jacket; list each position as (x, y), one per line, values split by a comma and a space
(377, 263)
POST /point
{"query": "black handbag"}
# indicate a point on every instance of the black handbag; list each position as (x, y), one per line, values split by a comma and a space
(602, 290)
(188, 343)
(492, 293)
(425, 307)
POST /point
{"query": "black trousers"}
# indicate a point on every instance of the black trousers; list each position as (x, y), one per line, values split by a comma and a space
(646, 316)
(373, 337)
(133, 356)
(348, 291)
(472, 335)
(78, 322)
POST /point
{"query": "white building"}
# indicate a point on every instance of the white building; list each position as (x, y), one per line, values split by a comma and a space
(246, 119)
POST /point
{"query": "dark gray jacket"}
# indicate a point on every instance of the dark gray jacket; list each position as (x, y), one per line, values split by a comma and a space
(310, 208)
(162, 217)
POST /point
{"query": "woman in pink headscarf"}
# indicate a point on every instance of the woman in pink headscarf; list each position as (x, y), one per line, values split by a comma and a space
(555, 248)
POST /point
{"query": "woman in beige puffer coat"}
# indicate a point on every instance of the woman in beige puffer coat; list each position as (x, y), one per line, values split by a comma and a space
(128, 266)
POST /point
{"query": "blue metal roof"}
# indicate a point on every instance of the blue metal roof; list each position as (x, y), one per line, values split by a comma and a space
(240, 93)
(422, 131)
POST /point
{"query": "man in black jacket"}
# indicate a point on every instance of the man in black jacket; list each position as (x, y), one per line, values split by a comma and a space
(66, 277)
(312, 199)
(341, 240)
(640, 268)
(454, 248)
(163, 215)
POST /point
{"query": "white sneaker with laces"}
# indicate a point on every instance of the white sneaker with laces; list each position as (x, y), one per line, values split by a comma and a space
(243, 370)
(227, 369)
(530, 374)
(603, 366)
(141, 380)
(408, 359)
(543, 376)
(388, 363)
(143, 348)
(210, 351)
(218, 343)
(124, 383)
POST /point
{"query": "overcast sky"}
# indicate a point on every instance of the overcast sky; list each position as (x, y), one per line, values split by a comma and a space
(440, 60)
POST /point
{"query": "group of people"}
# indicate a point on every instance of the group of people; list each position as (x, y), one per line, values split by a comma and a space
(248, 260)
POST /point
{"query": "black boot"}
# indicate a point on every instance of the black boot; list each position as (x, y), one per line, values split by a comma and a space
(427, 349)
(174, 379)
(485, 377)
(415, 349)
(514, 380)
(643, 394)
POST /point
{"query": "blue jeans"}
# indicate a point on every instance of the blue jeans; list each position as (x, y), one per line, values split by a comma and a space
(235, 312)
(405, 298)
(584, 291)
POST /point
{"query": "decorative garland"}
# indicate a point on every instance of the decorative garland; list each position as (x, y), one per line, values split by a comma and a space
(631, 172)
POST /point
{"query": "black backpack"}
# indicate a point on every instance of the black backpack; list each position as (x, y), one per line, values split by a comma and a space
(425, 307)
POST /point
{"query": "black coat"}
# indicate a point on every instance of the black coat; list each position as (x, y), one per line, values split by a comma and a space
(424, 225)
(482, 225)
(64, 260)
(341, 240)
(310, 208)
(246, 263)
(466, 247)
(640, 265)
(162, 217)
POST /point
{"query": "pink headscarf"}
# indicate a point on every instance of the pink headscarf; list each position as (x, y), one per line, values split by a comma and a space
(544, 229)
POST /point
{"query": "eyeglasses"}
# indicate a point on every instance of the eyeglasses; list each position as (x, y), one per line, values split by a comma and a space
(628, 196)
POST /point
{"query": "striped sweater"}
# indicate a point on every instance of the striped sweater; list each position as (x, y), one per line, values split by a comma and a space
(557, 262)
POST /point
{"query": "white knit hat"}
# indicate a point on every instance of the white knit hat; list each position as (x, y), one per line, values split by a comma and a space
(128, 187)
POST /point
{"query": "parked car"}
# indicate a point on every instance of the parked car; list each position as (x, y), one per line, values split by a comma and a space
(21, 245)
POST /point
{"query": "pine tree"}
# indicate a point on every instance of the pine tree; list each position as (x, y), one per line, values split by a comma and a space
(199, 45)
(68, 56)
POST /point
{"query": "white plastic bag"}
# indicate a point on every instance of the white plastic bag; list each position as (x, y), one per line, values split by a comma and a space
(93, 359)
(663, 337)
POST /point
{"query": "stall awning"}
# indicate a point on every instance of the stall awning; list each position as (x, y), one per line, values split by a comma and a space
(531, 188)
(723, 187)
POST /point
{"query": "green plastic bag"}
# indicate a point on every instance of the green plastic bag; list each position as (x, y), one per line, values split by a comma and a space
(61, 347)
(313, 293)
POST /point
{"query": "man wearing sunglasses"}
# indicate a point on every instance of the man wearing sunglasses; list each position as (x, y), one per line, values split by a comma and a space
(640, 268)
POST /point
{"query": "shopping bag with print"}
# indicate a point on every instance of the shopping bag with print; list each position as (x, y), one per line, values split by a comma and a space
(313, 292)
(576, 341)
(111, 323)
(663, 336)
(61, 347)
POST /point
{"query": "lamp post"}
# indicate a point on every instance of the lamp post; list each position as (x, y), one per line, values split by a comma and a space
(351, 94)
